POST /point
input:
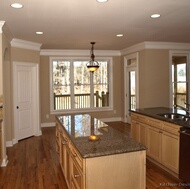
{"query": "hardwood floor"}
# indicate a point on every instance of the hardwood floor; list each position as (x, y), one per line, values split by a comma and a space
(33, 164)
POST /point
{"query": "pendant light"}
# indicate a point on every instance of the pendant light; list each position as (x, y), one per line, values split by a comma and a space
(92, 65)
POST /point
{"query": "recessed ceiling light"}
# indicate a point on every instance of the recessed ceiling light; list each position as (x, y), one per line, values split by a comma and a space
(102, 1)
(39, 33)
(119, 35)
(16, 5)
(155, 16)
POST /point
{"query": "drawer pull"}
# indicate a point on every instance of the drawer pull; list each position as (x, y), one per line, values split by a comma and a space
(76, 176)
(74, 154)
(63, 142)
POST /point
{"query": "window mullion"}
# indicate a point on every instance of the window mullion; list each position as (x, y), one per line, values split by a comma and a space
(91, 90)
(72, 85)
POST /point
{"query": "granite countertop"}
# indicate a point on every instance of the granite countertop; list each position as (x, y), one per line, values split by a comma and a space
(154, 113)
(111, 141)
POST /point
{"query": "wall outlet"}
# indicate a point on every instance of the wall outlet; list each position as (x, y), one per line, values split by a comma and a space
(47, 116)
(114, 111)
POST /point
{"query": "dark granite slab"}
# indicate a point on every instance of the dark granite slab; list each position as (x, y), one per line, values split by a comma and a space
(111, 141)
(154, 113)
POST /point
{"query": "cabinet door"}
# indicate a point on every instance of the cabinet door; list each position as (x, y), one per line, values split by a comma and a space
(142, 133)
(170, 151)
(57, 140)
(65, 159)
(135, 130)
(67, 165)
(154, 143)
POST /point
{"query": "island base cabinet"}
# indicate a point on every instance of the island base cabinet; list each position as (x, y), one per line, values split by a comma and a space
(117, 171)
(77, 177)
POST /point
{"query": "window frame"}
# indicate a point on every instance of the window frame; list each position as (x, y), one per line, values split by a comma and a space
(82, 110)
(187, 55)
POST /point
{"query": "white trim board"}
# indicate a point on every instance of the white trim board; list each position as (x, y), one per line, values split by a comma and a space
(155, 45)
(25, 44)
(50, 124)
(64, 52)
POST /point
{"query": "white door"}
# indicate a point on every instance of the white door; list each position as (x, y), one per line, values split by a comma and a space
(131, 85)
(26, 100)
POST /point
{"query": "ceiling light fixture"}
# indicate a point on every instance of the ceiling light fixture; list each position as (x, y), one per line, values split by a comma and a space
(92, 65)
(119, 35)
(155, 16)
(102, 1)
(39, 33)
(16, 5)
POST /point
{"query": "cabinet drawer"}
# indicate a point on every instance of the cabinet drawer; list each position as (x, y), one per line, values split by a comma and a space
(155, 123)
(138, 117)
(142, 119)
(171, 128)
(76, 156)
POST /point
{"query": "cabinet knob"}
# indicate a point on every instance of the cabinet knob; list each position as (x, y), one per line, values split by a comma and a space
(63, 142)
(74, 154)
(76, 176)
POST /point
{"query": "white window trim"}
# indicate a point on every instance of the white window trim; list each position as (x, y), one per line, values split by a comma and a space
(178, 53)
(84, 110)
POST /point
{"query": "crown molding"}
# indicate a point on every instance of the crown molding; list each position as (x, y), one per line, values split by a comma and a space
(18, 43)
(54, 52)
(155, 45)
(1, 26)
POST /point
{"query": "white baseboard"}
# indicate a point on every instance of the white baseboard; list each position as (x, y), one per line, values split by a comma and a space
(9, 143)
(4, 162)
(51, 124)
(111, 119)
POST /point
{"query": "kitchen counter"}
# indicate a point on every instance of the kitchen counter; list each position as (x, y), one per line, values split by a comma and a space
(154, 113)
(111, 141)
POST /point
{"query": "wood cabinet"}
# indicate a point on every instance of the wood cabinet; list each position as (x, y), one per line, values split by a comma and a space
(138, 128)
(70, 160)
(161, 139)
(111, 171)
(65, 157)
(170, 147)
(154, 143)
(1, 148)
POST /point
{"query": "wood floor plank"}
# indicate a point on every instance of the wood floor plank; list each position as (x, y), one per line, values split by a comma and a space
(33, 164)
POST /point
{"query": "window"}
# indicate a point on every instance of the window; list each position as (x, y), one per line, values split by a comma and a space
(179, 80)
(74, 88)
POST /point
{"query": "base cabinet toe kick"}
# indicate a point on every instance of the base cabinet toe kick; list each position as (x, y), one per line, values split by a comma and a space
(84, 162)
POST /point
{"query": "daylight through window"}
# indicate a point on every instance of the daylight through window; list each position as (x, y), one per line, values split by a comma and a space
(75, 88)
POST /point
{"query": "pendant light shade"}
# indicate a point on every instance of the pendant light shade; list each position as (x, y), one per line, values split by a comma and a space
(92, 65)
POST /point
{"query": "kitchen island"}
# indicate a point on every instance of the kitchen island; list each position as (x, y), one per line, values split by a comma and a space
(94, 155)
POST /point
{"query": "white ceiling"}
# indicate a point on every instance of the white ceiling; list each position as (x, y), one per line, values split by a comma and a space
(73, 24)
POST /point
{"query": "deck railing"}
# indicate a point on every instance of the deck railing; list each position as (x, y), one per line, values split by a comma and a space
(81, 100)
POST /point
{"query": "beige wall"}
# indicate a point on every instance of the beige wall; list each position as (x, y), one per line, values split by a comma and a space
(154, 78)
(45, 91)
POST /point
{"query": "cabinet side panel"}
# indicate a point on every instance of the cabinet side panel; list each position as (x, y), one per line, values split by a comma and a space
(117, 171)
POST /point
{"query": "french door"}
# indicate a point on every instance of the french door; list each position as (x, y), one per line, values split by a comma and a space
(131, 85)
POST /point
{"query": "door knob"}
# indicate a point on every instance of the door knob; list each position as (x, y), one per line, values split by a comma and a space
(17, 107)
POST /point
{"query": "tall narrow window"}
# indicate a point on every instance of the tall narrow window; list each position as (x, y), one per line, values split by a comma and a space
(75, 88)
(179, 80)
